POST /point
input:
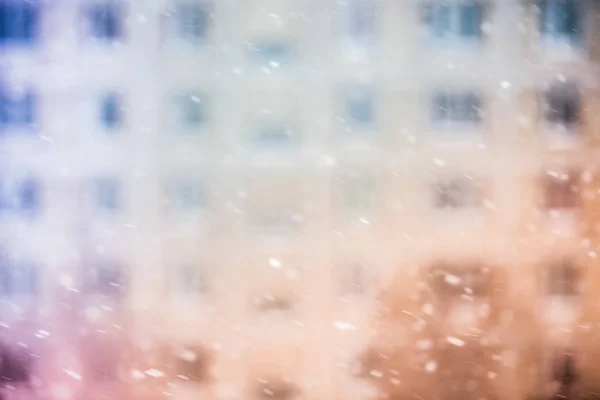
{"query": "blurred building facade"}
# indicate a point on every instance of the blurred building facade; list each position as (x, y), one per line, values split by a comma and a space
(209, 197)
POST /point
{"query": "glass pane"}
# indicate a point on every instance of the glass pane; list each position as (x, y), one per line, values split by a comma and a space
(470, 19)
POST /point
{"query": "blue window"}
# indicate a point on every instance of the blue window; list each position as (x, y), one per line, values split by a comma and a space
(19, 22)
(20, 196)
(188, 195)
(17, 111)
(470, 20)
(105, 20)
(271, 52)
(360, 108)
(561, 19)
(111, 112)
(106, 194)
(193, 21)
(191, 110)
(274, 136)
(362, 20)
(29, 195)
(454, 21)
(456, 107)
(17, 280)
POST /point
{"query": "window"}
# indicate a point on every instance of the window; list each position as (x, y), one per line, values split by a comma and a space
(562, 107)
(111, 112)
(19, 22)
(459, 107)
(457, 193)
(561, 191)
(28, 195)
(274, 136)
(190, 111)
(105, 280)
(362, 21)
(561, 20)
(276, 390)
(272, 53)
(359, 108)
(450, 21)
(189, 280)
(274, 223)
(193, 364)
(274, 307)
(17, 280)
(17, 110)
(106, 194)
(20, 196)
(354, 280)
(188, 195)
(105, 20)
(563, 279)
(192, 21)
(449, 281)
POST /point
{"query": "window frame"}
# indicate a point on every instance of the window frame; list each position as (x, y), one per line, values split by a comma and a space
(453, 33)
(23, 36)
(94, 24)
(548, 31)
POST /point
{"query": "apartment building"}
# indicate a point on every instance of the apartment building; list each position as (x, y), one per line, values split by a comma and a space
(213, 198)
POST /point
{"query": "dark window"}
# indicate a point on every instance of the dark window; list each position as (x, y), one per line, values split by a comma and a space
(563, 279)
(106, 194)
(105, 20)
(562, 106)
(272, 53)
(274, 305)
(29, 195)
(191, 110)
(19, 22)
(17, 110)
(193, 364)
(276, 390)
(449, 281)
(457, 193)
(193, 21)
(454, 21)
(470, 19)
(362, 20)
(105, 280)
(21, 196)
(360, 108)
(456, 107)
(274, 136)
(561, 19)
(111, 111)
(561, 191)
